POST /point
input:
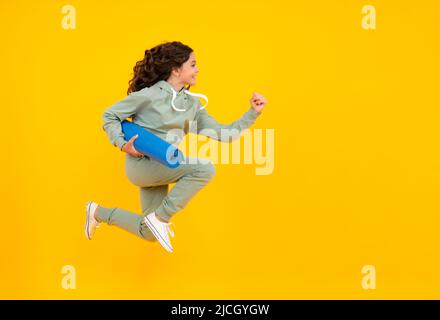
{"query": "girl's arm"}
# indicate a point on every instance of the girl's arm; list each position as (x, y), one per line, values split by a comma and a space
(120, 111)
(230, 132)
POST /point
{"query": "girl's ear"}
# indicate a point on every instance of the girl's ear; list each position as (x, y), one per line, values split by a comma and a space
(176, 71)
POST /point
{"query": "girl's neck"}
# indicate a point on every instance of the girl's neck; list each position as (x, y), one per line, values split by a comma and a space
(177, 85)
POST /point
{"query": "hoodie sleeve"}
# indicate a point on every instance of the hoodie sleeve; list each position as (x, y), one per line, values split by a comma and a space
(230, 132)
(118, 112)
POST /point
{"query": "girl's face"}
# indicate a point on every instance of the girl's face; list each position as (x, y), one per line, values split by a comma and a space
(188, 71)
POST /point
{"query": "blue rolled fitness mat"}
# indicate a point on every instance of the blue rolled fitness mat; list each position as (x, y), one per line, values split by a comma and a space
(151, 145)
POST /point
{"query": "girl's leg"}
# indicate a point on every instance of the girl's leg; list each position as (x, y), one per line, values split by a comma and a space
(124, 219)
(151, 197)
(190, 179)
(153, 178)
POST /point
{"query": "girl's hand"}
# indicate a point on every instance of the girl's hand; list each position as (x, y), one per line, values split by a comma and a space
(129, 147)
(258, 101)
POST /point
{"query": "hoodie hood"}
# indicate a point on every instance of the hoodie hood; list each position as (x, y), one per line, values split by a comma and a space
(169, 88)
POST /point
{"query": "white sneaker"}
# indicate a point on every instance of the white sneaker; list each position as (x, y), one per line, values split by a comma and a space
(91, 222)
(160, 230)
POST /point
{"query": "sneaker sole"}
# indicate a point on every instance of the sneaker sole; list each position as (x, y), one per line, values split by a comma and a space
(87, 220)
(157, 235)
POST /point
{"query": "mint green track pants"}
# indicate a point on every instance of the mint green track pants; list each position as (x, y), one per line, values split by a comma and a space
(153, 179)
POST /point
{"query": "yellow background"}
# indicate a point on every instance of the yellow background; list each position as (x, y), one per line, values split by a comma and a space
(356, 176)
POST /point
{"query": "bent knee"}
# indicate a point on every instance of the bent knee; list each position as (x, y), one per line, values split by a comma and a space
(207, 170)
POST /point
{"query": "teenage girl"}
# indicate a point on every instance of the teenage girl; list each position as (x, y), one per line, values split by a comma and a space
(159, 100)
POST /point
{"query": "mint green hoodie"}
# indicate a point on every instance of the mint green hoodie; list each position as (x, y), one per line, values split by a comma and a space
(159, 108)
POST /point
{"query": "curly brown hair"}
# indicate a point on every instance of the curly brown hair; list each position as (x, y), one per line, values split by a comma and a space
(157, 64)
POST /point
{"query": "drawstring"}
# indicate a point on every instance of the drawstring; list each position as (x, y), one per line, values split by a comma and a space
(190, 93)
